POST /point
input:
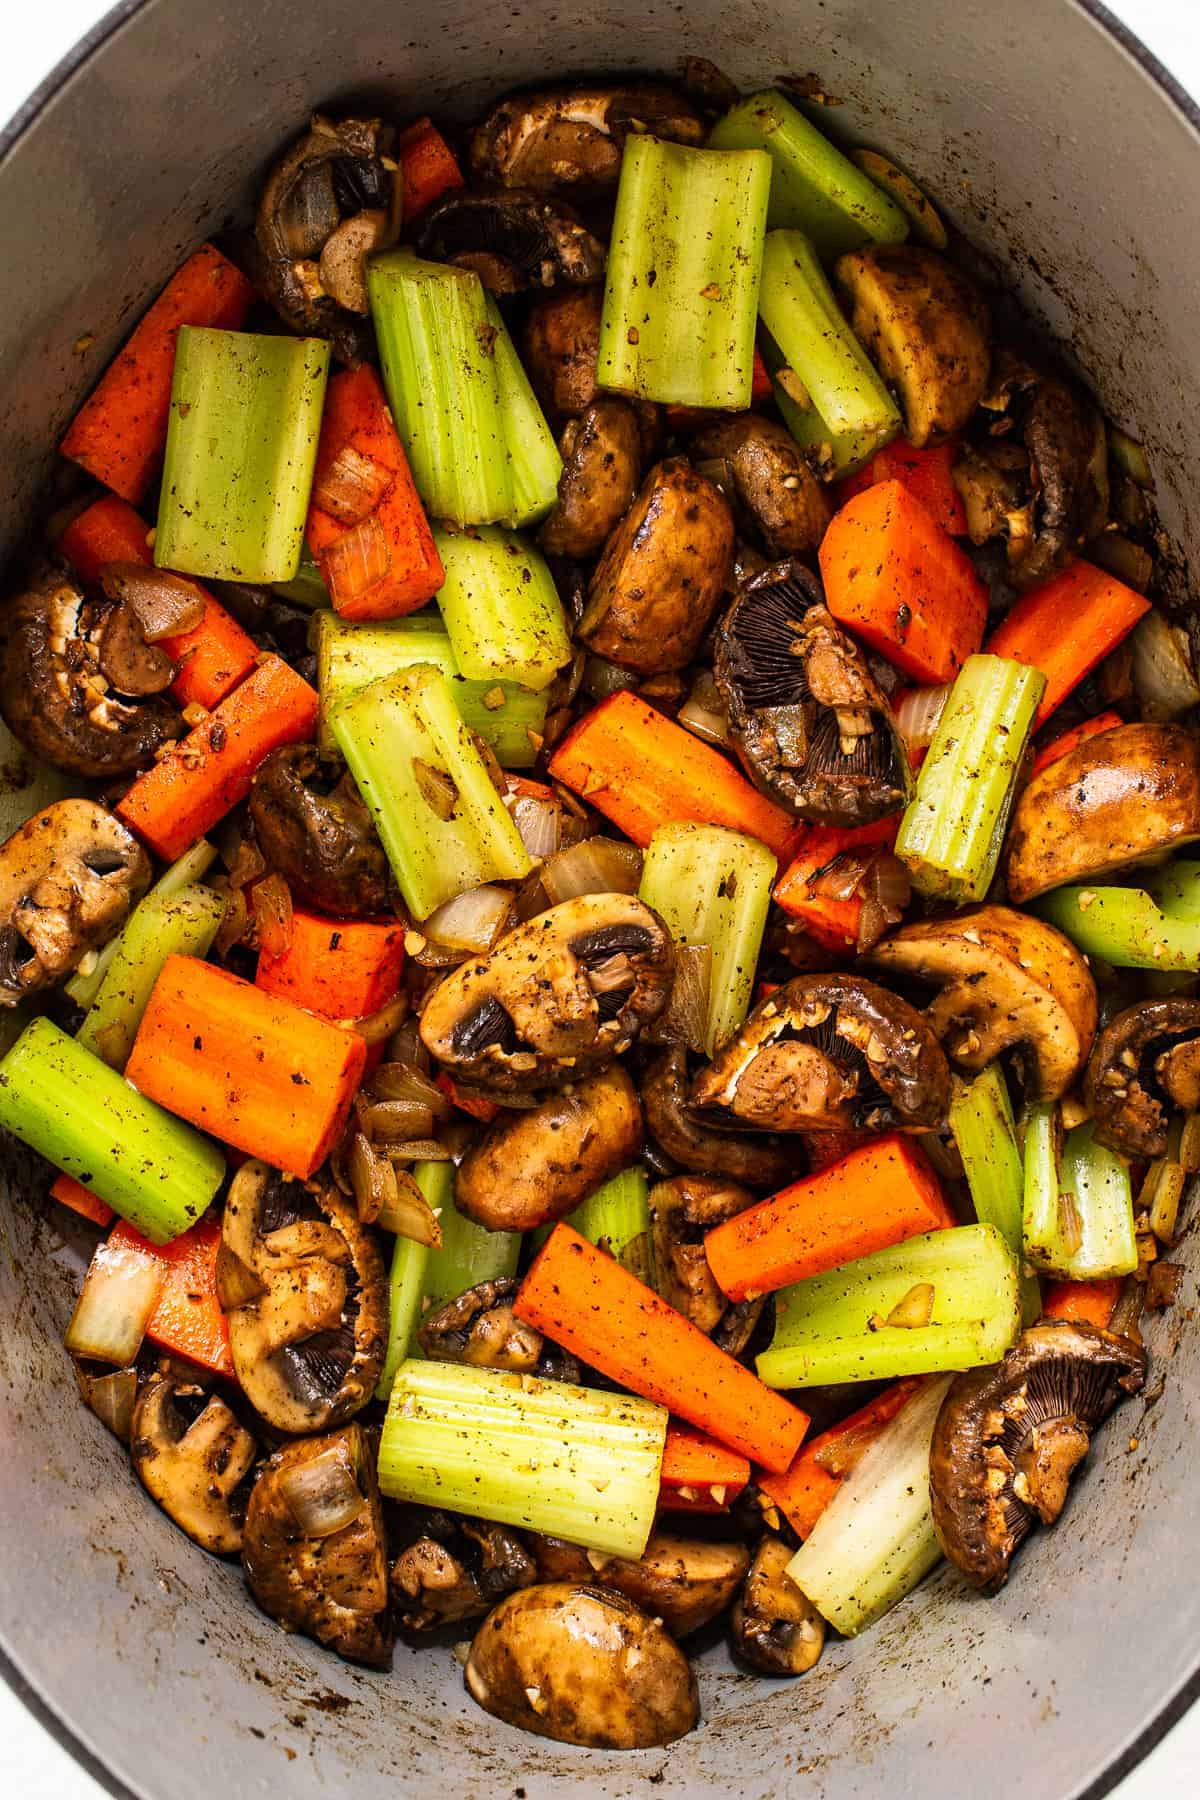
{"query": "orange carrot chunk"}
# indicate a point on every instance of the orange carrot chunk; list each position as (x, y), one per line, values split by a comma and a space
(894, 578)
(925, 473)
(428, 166)
(699, 1474)
(476, 1106)
(336, 968)
(877, 1195)
(584, 1300)
(1065, 626)
(1083, 1302)
(187, 1317)
(69, 1192)
(822, 851)
(120, 432)
(256, 1071)
(1070, 740)
(804, 1491)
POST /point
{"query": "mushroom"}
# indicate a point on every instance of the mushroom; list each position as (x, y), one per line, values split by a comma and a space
(571, 1661)
(55, 696)
(682, 1581)
(323, 844)
(808, 719)
(192, 1455)
(773, 1626)
(512, 239)
(1111, 801)
(602, 459)
(532, 1167)
(479, 1327)
(69, 877)
(558, 999)
(559, 348)
(1008, 982)
(760, 1161)
(314, 1552)
(1143, 1063)
(1009, 1437)
(682, 1211)
(571, 139)
(662, 574)
(304, 1290)
(457, 1568)
(830, 1052)
(926, 325)
(778, 497)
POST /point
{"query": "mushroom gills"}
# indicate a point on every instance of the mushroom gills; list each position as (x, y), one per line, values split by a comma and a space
(512, 239)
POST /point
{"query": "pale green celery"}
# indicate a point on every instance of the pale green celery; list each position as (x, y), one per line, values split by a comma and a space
(617, 1218)
(508, 717)
(814, 340)
(713, 886)
(501, 608)
(86, 1119)
(534, 460)
(981, 1119)
(684, 263)
(571, 1462)
(241, 445)
(814, 187)
(875, 1540)
(1078, 1216)
(406, 1284)
(1123, 926)
(442, 823)
(307, 587)
(1176, 887)
(830, 454)
(823, 1330)
(436, 344)
(161, 926)
(190, 868)
(952, 831)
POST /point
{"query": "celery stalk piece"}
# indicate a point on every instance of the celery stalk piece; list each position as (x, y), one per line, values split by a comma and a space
(875, 1540)
(437, 347)
(713, 886)
(241, 445)
(501, 608)
(830, 454)
(952, 831)
(1078, 1215)
(161, 926)
(533, 454)
(816, 343)
(1176, 887)
(617, 1218)
(442, 823)
(307, 587)
(574, 1462)
(814, 188)
(823, 1326)
(84, 1118)
(406, 1281)
(1123, 926)
(190, 868)
(684, 263)
(981, 1118)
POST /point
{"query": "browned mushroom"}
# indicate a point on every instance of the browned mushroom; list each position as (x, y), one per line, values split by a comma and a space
(323, 844)
(685, 1582)
(1144, 1063)
(776, 493)
(456, 1568)
(773, 1626)
(682, 1211)
(760, 1161)
(559, 346)
(602, 459)
(569, 139)
(479, 1327)
(192, 1454)
(513, 239)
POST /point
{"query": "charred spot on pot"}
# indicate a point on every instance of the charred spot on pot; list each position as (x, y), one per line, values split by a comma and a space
(512, 239)
(569, 139)
(773, 1626)
(455, 1568)
(322, 843)
(760, 1161)
(1008, 1439)
(1144, 1063)
(193, 1455)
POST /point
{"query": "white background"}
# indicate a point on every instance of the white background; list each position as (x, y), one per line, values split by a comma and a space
(32, 1767)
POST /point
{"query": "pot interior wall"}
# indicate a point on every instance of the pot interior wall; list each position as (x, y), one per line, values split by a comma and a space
(1049, 144)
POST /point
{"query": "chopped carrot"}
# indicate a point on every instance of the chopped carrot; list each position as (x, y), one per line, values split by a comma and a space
(69, 1192)
(894, 578)
(760, 381)
(821, 849)
(698, 1474)
(215, 654)
(377, 556)
(804, 1491)
(1065, 626)
(187, 1317)
(256, 1071)
(880, 1194)
(120, 432)
(428, 166)
(926, 475)
(200, 779)
(336, 968)
(642, 770)
(1070, 740)
(584, 1300)
(476, 1106)
(1083, 1302)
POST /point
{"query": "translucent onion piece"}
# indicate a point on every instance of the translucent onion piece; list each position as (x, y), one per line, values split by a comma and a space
(112, 1399)
(1162, 671)
(371, 1179)
(351, 487)
(704, 712)
(406, 1047)
(120, 1290)
(273, 915)
(409, 1214)
(918, 713)
(598, 865)
(377, 1026)
(539, 824)
(395, 1121)
(403, 1081)
(245, 862)
(166, 605)
(844, 875)
(354, 563)
(420, 1150)
(236, 923)
(322, 1493)
(685, 1018)
(471, 921)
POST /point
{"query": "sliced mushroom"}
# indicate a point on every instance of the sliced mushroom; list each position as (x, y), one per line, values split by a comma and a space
(1008, 982)
(457, 1568)
(1113, 800)
(926, 325)
(828, 1052)
(479, 1327)
(333, 1586)
(682, 1211)
(1144, 1063)
(304, 1290)
(69, 877)
(559, 347)
(809, 721)
(576, 1663)
(192, 1455)
(1008, 1439)
(512, 239)
(602, 460)
(323, 844)
(682, 1581)
(570, 139)
(759, 1161)
(774, 1627)
(559, 997)
(778, 496)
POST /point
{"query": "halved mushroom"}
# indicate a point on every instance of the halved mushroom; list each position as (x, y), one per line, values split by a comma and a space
(558, 998)
(533, 1167)
(55, 696)
(559, 348)
(1144, 1063)
(761, 1161)
(926, 325)
(662, 574)
(479, 1327)
(69, 877)
(827, 1052)
(1007, 982)
(512, 239)
(304, 1290)
(314, 1553)
(1113, 800)
(778, 496)
(682, 1211)
(192, 1454)
(809, 721)
(573, 1662)
(1008, 1439)
(570, 139)
(682, 1581)
(323, 844)
(602, 460)
(774, 1627)
(457, 1568)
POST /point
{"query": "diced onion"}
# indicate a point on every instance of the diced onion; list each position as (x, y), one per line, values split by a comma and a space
(351, 487)
(684, 1020)
(376, 1027)
(244, 861)
(918, 713)
(120, 1290)
(471, 921)
(395, 1121)
(409, 1214)
(419, 1150)
(273, 915)
(598, 865)
(1162, 671)
(704, 712)
(371, 1179)
(538, 823)
(322, 1493)
(396, 1080)
(112, 1399)
(166, 605)
(358, 560)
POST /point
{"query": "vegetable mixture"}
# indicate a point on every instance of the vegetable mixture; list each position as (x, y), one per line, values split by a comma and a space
(624, 775)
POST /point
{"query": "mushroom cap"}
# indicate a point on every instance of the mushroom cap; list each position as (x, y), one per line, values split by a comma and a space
(479, 1327)
(1143, 1061)
(778, 495)
(1007, 981)
(685, 1582)
(570, 138)
(192, 1466)
(774, 1626)
(514, 239)
(559, 346)
(760, 1160)
(457, 1568)
(324, 845)
(683, 1210)
(602, 460)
